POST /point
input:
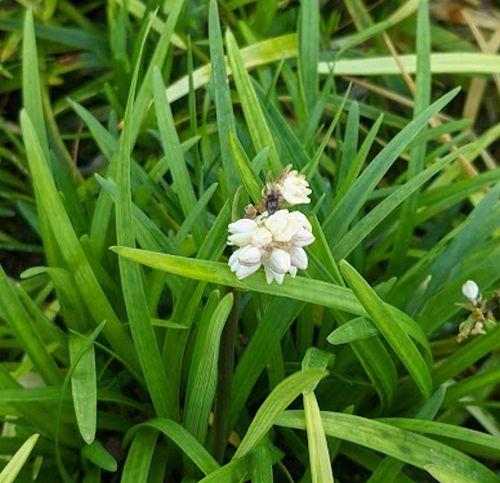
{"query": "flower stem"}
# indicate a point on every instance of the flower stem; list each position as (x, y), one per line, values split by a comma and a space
(226, 366)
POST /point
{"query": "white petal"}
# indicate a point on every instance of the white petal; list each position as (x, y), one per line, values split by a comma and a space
(302, 238)
(470, 290)
(279, 260)
(298, 257)
(233, 258)
(293, 271)
(277, 222)
(249, 255)
(295, 189)
(269, 273)
(239, 239)
(261, 237)
(244, 225)
(279, 277)
(247, 270)
(235, 266)
(301, 219)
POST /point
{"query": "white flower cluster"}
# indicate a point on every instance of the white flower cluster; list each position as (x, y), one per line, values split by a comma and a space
(270, 238)
(275, 241)
(294, 188)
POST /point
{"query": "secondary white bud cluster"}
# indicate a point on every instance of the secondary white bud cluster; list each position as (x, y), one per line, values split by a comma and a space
(294, 188)
(470, 291)
(274, 241)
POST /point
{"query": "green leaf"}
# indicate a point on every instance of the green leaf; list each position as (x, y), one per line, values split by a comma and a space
(350, 144)
(101, 457)
(309, 33)
(50, 204)
(84, 388)
(254, 117)
(397, 338)
(183, 439)
(134, 295)
(223, 105)
(279, 399)
(277, 319)
(404, 445)
(417, 155)
(319, 457)
(443, 475)
(32, 94)
(344, 213)
(355, 329)
(248, 175)
(22, 327)
(476, 442)
(15, 464)
(203, 374)
(72, 305)
(139, 457)
(364, 227)
(261, 464)
(197, 211)
(173, 151)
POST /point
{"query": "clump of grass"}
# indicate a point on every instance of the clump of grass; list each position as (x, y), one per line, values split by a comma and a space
(134, 134)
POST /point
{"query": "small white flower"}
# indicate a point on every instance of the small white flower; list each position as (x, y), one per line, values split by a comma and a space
(282, 226)
(261, 237)
(302, 238)
(279, 260)
(294, 188)
(298, 257)
(272, 275)
(241, 232)
(274, 241)
(470, 291)
(245, 261)
(301, 219)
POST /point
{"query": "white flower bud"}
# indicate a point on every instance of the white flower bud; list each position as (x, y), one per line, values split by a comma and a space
(272, 275)
(470, 290)
(245, 261)
(241, 232)
(301, 219)
(279, 260)
(295, 189)
(302, 238)
(298, 258)
(249, 255)
(261, 237)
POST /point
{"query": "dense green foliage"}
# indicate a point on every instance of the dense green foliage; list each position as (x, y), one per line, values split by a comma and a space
(133, 132)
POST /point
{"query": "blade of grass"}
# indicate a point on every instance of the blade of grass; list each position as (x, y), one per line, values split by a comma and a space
(254, 116)
(344, 213)
(404, 233)
(202, 379)
(223, 105)
(181, 438)
(404, 445)
(397, 338)
(84, 388)
(22, 326)
(143, 333)
(15, 464)
(309, 32)
(279, 399)
(139, 457)
(248, 176)
(50, 203)
(363, 227)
